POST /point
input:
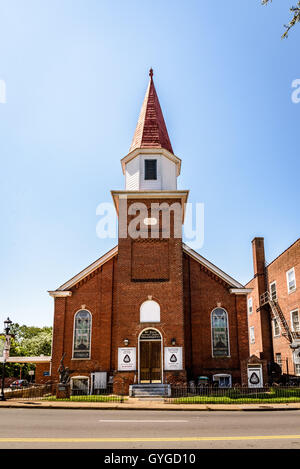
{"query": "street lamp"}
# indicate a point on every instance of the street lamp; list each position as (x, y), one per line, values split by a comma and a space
(7, 325)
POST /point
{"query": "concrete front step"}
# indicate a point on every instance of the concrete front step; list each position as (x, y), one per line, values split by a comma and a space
(148, 390)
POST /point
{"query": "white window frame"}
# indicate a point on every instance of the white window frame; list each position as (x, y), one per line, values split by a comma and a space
(273, 283)
(252, 334)
(278, 359)
(291, 290)
(292, 323)
(279, 333)
(73, 378)
(216, 378)
(250, 301)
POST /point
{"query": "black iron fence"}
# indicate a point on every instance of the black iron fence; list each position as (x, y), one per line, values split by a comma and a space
(236, 395)
(47, 392)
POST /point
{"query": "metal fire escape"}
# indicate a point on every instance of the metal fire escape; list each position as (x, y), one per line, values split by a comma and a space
(276, 313)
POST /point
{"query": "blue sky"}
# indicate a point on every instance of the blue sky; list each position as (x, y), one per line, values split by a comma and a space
(76, 73)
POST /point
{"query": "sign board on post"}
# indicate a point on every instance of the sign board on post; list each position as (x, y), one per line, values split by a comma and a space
(173, 358)
(127, 359)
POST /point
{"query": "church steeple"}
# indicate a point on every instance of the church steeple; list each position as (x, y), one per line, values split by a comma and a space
(151, 163)
(151, 130)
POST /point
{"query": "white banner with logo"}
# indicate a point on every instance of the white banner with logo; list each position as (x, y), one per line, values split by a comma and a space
(173, 358)
(127, 359)
(255, 379)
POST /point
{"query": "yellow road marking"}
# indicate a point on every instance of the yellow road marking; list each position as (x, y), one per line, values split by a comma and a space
(134, 440)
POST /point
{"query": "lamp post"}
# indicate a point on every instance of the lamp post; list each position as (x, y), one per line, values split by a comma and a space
(7, 325)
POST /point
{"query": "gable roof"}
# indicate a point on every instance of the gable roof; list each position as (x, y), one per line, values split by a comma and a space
(113, 252)
(88, 270)
(231, 281)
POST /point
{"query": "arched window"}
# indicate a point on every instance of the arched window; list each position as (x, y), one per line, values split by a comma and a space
(150, 311)
(219, 329)
(82, 334)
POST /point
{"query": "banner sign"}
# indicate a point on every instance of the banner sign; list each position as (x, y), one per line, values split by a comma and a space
(6, 348)
(127, 359)
(255, 379)
(173, 358)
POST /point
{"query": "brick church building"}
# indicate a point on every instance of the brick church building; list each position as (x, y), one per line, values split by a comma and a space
(151, 310)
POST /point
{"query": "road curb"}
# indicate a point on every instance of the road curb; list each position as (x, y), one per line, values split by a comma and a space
(36, 405)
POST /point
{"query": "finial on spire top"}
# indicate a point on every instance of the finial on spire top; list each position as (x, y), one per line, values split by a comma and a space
(151, 73)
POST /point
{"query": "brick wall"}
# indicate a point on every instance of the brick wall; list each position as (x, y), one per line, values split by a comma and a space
(204, 292)
(276, 271)
(95, 293)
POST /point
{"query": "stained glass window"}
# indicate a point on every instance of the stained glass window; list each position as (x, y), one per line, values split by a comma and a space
(219, 327)
(82, 334)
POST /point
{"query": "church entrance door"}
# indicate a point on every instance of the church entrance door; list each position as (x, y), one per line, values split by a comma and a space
(150, 357)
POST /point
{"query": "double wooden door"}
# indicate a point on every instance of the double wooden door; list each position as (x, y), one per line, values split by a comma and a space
(150, 361)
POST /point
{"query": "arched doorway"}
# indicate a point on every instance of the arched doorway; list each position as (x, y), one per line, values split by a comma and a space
(150, 356)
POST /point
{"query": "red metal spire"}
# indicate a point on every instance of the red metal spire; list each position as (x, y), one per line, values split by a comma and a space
(151, 130)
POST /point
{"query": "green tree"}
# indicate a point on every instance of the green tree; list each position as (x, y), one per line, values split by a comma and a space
(295, 10)
(27, 341)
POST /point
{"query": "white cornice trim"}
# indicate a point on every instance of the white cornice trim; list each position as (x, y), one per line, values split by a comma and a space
(212, 267)
(151, 151)
(240, 291)
(59, 294)
(70, 283)
(156, 194)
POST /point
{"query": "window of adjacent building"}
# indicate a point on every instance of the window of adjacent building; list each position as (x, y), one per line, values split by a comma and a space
(150, 169)
(82, 334)
(273, 291)
(276, 328)
(291, 280)
(295, 321)
(278, 359)
(252, 335)
(250, 306)
(296, 360)
(220, 335)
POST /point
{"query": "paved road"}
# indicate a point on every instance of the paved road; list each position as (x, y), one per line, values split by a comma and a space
(53, 428)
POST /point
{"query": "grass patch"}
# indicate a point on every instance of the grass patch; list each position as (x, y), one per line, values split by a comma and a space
(235, 396)
(90, 398)
(229, 400)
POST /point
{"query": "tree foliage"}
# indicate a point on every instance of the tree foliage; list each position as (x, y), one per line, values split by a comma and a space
(27, 341)
(295, 10)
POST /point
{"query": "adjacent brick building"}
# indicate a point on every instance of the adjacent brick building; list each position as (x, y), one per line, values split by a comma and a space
(151, 310)
(274, 307)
